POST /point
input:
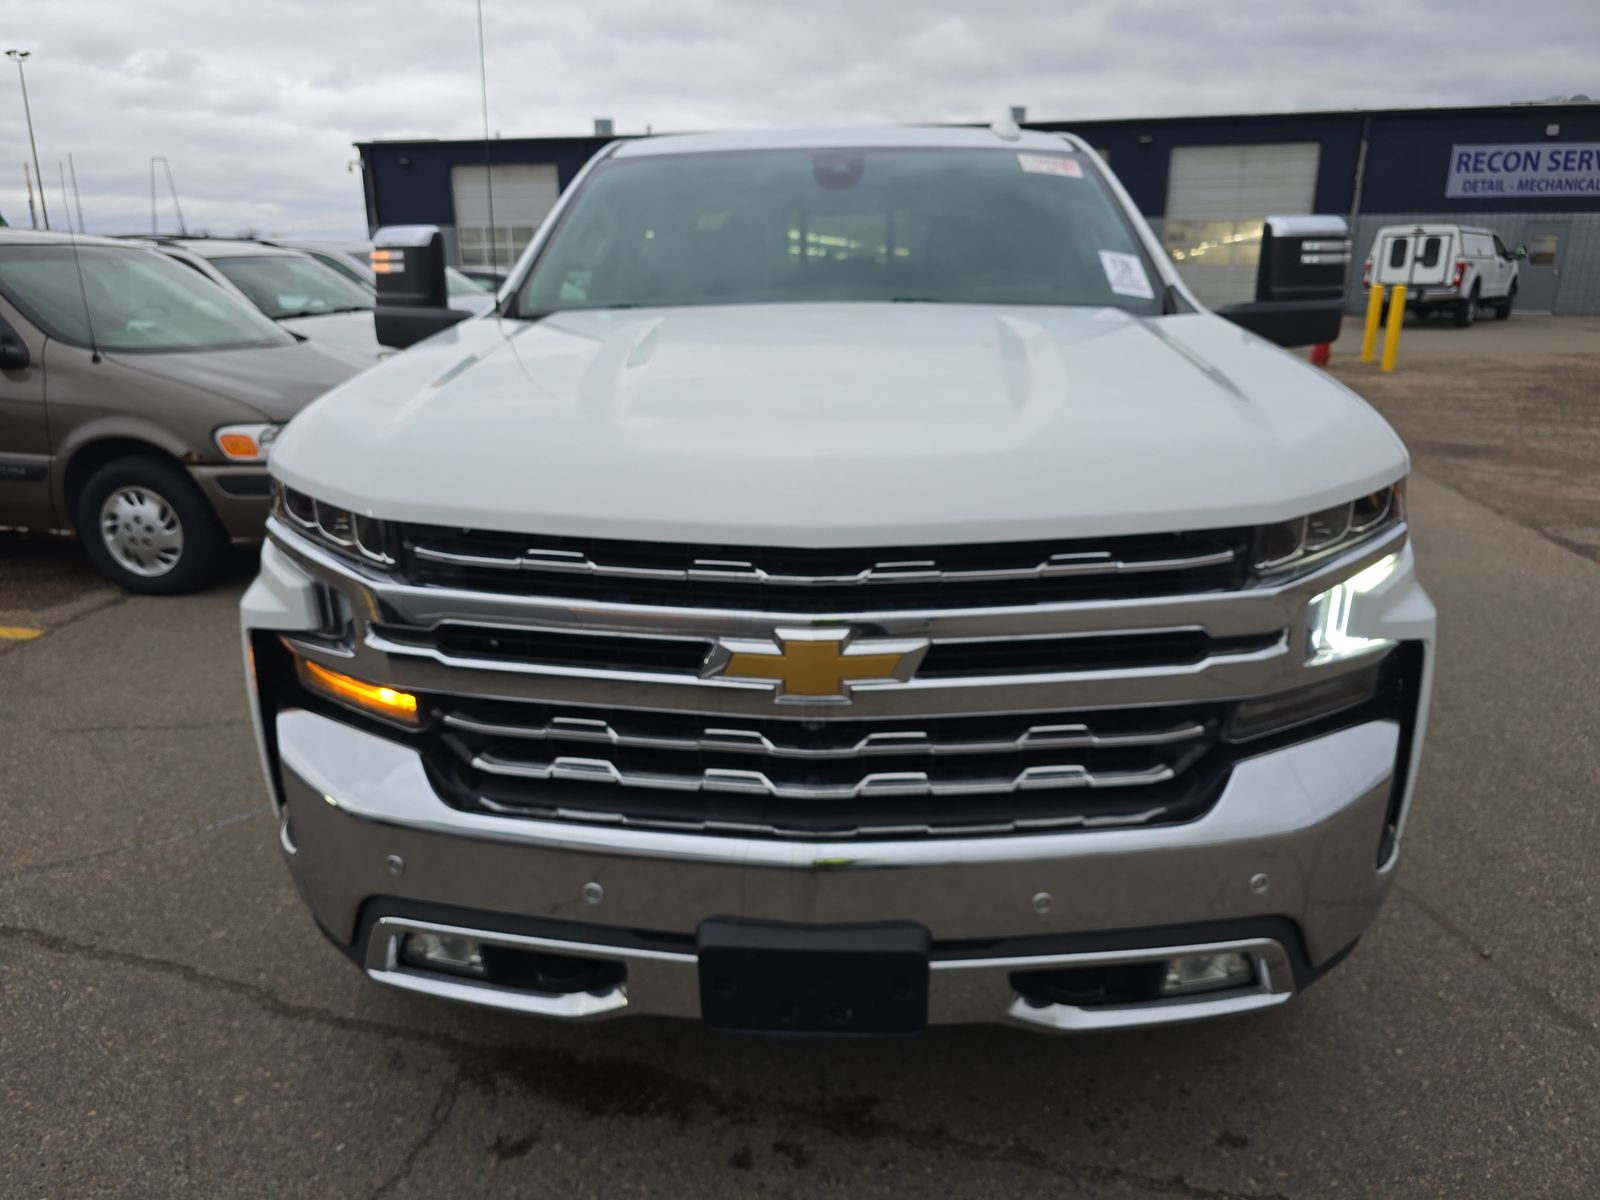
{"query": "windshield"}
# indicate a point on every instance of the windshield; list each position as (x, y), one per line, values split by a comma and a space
(460, 285)
(335, 261)
(288, 285)
(975, 226)
(136, 300)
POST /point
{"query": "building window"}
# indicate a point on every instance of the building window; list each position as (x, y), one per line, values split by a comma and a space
(475, 248)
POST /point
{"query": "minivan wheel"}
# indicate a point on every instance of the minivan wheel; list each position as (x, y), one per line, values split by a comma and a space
(1467, 310)
(1503, 309)
(147, 529)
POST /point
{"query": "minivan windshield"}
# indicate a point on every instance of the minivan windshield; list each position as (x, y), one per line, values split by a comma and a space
(291, 285)
(130, 299)
(960, 226)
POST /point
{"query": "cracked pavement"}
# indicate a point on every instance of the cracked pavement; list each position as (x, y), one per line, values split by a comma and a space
(171, 1023)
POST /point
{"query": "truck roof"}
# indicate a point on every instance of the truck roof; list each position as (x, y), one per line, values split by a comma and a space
(1434, 227)
(909, 136)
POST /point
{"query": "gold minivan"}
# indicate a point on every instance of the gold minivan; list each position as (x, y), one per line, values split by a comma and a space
(137, 402)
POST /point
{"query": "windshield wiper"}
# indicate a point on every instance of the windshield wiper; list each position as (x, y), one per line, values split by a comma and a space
(918, 300)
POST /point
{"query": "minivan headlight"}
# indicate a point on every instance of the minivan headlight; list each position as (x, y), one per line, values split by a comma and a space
(338, 529)
(245, 443)
(1287, 548)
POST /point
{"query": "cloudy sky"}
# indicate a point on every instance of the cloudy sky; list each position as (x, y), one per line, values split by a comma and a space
(255, 102)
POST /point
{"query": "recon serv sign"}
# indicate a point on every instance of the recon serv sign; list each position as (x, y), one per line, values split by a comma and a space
(1493, 172)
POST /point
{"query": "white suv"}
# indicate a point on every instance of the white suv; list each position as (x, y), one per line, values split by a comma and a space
(1446, 268)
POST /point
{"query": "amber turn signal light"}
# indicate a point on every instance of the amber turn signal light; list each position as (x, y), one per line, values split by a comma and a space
(354, 693)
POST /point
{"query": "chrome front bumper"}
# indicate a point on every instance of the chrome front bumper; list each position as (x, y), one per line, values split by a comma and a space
(961, 991)
(1294, 835)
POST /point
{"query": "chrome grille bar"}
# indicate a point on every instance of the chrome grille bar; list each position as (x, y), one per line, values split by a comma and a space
(897, 829)
(573, 769)
(751, 741)
(702, 570)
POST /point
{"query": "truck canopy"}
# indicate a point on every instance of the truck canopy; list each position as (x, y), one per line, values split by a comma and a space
(1415, 255)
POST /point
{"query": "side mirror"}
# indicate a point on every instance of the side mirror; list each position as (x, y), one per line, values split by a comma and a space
(1520, 252)
(413, 300)
(14, 354)
(1299, 281)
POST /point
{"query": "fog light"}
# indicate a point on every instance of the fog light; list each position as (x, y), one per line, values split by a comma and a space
(1207, 973)
(444, 952)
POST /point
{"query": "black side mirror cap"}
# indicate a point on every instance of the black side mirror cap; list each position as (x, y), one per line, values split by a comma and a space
(413, 300)
(14, 354)
(1288, 322)
(401, 327)
(1299, 281)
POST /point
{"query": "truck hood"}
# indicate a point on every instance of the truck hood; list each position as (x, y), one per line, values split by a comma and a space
(268, 383)
(352, 332)
(840, 424)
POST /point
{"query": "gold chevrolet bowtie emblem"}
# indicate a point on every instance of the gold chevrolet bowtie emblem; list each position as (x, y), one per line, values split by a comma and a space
(812, 666)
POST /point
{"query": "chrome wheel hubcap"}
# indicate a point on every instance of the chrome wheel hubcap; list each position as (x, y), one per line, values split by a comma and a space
(141, 531)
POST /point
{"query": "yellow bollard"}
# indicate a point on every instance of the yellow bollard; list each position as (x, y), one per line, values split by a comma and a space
(1391, 335)
(1369, 338)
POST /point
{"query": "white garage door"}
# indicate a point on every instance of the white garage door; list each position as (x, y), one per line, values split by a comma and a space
(1217, 199)
(523, 194)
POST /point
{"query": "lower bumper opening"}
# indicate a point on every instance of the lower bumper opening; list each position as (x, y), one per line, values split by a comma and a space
(834, 970)
(503, 966)
(1137, 983)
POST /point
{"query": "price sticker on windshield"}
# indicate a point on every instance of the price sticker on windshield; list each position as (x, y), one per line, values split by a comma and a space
(1125, 274)
(1049, 164)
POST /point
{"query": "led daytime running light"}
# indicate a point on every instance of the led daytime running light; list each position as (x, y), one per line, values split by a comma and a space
(1328, 636)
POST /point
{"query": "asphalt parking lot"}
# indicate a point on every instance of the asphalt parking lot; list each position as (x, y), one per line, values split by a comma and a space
(171, 1023)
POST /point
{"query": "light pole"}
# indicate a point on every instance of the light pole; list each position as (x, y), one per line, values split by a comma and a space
(22, 56)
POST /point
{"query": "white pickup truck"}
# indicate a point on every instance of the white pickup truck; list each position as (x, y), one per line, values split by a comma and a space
(847, 584)
(1453, 269)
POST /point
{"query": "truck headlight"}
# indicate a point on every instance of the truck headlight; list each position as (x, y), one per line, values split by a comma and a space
(1290, 547)
(339, 529)
(245, 443)
(1328, 636)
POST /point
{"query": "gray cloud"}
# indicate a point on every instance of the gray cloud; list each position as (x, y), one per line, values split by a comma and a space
(256, 104)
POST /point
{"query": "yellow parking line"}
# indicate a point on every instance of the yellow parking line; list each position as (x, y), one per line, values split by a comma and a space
(19, 633)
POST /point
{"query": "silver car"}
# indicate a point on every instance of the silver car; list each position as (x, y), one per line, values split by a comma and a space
(137, 402)
(354, 260)
(295, 289)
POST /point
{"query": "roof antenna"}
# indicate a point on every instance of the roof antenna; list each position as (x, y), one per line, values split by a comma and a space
(77, 263)
(1005, 125)
(488, 166)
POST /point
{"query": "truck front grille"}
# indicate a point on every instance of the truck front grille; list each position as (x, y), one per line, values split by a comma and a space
(816, 581)
(799, 777)
(584, 681)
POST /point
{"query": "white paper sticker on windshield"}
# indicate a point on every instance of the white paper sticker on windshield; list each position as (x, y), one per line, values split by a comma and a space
(1049, 164)
(1125, 274)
